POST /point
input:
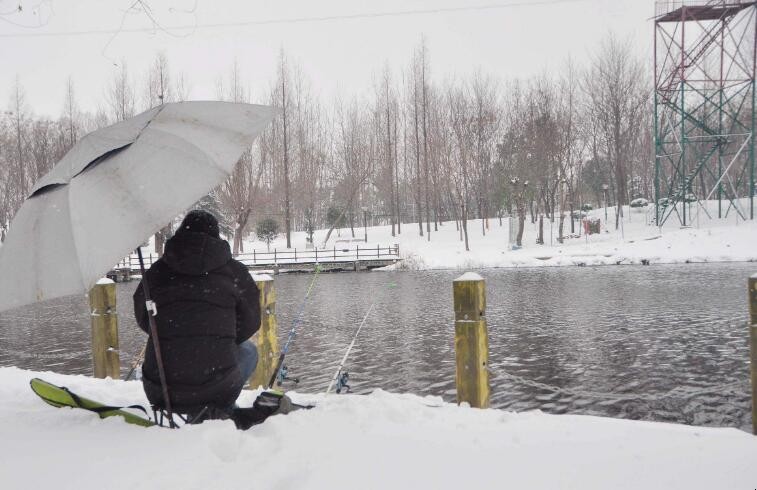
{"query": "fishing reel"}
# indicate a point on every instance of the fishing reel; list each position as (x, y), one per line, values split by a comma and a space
(284, 376)
(341, 382)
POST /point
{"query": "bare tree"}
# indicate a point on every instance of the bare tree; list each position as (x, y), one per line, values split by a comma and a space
(423, 64)
(283, 74)
(120, 95)
(571, 145)
(389, 153)
(238, 193)
(355, 150)
(485, 119)
(18, 112)
(460, 124)
(514, 152)
(416, 105)
(71, 113)
(616, 92)
(157, 91)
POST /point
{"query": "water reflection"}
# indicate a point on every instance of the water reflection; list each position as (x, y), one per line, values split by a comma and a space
(560, 338)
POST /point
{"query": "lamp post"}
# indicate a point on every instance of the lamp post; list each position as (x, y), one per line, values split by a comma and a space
(365, 223)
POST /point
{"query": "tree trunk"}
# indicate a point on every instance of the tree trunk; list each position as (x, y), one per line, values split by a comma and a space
(562, 221)
(531, 210)
(389, 159)
(158, 243)
(160, 239)
(437, 208)
(540, 238)
(242, 219)
(396, 178)
(465, 227)
(425, 147)
(287, 211)
(481, 216)
(572, 222)
(419, 210)
(521, 227)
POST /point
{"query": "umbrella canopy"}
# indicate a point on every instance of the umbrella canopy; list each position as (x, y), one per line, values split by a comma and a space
(114, 188)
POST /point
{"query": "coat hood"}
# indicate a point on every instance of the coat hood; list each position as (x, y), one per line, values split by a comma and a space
(195, 253)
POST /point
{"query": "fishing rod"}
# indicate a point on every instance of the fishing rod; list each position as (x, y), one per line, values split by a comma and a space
(136, 362)
(336, 379)
(293, 331)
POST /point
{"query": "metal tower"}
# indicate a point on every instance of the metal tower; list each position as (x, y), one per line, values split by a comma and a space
(704, 108)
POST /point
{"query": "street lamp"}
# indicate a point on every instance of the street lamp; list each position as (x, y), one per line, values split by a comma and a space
(604, 190)
(365, 223)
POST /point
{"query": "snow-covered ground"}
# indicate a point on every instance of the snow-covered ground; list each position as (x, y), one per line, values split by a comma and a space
(707, 240)
(378, 441)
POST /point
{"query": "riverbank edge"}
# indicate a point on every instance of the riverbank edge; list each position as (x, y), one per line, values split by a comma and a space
(599, 260)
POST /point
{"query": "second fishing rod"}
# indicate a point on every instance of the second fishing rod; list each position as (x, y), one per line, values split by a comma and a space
(293, 331)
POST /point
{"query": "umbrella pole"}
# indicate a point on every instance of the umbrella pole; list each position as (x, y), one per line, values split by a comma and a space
(151, 312)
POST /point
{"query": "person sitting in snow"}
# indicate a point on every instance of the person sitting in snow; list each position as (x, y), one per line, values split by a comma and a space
(207, 310)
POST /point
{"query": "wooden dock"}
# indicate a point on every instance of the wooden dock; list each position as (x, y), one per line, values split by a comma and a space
(350, 257)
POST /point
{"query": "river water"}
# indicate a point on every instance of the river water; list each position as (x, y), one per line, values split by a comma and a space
(664, 343)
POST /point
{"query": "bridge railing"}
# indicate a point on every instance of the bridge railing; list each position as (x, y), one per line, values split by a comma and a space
(310, 255)
(291, 256)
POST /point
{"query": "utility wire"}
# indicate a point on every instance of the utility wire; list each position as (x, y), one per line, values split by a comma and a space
(299, 20)
(5, 16)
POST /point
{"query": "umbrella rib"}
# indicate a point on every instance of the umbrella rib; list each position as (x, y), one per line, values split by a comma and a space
(75, 242)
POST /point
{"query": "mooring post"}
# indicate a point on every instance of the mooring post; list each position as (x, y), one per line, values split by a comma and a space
(102, 302)
(268, 344)
(471, 340)
(753, 346)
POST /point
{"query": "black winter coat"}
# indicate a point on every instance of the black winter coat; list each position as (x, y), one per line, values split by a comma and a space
(207, 304)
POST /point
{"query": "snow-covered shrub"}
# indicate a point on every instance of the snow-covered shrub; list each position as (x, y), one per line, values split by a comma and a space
(639, 202)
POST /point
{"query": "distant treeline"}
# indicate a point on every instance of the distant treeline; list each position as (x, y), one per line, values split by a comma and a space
(421, 150)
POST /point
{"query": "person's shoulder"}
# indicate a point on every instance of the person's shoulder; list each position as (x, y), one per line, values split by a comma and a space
(157, 268)
(238, 269)
(240, 274)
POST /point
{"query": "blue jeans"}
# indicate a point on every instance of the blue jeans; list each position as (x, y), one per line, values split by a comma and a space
(247, 357)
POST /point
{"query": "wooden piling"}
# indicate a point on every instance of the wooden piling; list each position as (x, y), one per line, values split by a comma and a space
(105, 357)
(267, 341)
(753, 346)
(471, 340)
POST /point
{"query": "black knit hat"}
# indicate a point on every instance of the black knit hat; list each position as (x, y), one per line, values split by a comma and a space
(200, 221)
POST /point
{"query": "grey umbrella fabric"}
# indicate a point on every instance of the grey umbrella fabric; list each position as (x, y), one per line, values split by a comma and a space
(116, 187)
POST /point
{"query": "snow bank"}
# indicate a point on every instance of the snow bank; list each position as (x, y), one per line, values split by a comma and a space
(377, 441)
(638, 242)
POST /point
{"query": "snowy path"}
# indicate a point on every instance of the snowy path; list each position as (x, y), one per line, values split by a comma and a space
(370, 442)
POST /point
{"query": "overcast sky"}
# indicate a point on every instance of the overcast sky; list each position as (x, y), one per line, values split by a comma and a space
(341, 44)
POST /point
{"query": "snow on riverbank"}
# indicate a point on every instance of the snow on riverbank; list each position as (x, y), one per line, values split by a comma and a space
(708, 240)
(377, 441)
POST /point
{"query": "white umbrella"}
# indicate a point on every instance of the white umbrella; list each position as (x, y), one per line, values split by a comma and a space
(114, 188)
